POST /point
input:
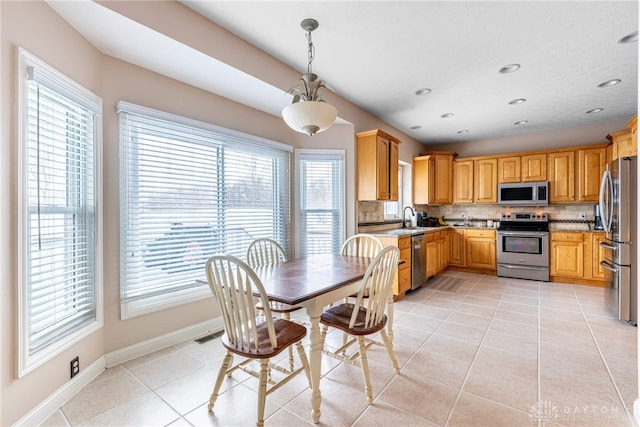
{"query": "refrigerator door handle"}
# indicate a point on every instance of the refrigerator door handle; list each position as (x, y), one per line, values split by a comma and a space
(608, 266)
(606, 186)
(604, 245)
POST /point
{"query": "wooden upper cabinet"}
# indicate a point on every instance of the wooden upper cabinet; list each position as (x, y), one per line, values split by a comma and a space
(591, 164)
(485, 181)
(509, 169)
(534, 167)
(623, 144)
(526, 168)
(424, 172)
(432, 179)
(560, 167)
(377, 165)
(463, 181)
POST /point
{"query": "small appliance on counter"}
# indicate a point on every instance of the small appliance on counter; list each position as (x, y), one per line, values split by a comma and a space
(422, 219)
(598, 218)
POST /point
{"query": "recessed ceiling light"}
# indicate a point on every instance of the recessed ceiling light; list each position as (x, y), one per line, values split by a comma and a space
(423, 91)
(629, 38)
(521, 122)
(510, 68)
(609, 83)
(416, 127)
(463, 131)
(446, 115)
(517, 101)
(595, 110)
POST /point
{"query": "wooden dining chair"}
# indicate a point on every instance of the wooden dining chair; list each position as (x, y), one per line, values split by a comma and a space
(367, 316)
(247, 334)
(362, 245)
(263, 252)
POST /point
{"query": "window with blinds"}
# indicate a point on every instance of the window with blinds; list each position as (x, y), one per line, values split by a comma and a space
(321, 201)
(59, 191)
(190, 190)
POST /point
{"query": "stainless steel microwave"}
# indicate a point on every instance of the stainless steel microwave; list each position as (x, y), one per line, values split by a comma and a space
(524, 194)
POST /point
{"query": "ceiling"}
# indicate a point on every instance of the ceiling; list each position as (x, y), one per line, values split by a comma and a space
(378, 54)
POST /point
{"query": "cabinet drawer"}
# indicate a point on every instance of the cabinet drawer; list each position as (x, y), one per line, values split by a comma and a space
(405, 255)
(566, 237)
(480, 233)
(404, 243)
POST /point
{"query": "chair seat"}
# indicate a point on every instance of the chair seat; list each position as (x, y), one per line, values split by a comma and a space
(279, 307)
(287, 333)
(339, 317)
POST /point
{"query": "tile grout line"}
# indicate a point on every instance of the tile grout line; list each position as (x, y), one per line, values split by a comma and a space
(464, 381)
(604, 361)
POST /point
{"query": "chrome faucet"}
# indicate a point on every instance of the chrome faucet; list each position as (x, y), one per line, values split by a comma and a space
(404, 221)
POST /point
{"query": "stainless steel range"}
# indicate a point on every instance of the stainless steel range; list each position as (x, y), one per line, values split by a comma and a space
(523, 245)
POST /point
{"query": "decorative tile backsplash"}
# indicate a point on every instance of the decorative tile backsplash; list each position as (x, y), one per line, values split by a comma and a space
(562, 216)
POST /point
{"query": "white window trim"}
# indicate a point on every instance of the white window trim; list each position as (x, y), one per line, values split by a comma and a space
(25, 362)
(296, 194)
(134, 308)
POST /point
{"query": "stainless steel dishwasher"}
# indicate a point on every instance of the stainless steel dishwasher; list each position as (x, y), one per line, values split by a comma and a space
(418, 261)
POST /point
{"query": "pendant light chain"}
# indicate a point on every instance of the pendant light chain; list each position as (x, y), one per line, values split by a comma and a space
(311, 51)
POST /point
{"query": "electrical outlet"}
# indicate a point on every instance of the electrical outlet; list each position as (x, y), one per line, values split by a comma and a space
(75, 366)
(583, 215)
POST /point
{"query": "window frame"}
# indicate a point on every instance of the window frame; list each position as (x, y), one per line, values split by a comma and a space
(68, 88)
(133, 307)
(321, 154)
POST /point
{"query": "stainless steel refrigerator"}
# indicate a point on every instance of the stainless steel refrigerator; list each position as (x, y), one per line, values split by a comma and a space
(618, 203)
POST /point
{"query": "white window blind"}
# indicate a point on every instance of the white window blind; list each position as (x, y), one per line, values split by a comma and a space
(189, 192)
(60, 230)
(321, 202)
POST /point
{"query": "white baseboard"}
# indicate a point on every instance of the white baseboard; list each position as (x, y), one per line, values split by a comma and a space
(636, 411)
(47, 407)
(158, 343)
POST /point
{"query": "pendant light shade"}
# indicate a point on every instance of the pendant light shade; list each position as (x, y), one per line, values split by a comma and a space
(309, 113)
(309, 117)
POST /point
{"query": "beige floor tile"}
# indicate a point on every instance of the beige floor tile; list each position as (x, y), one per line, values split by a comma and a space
(145, 410)
(142, 360)
(340, 406)
(522, 365)
(487, 293)
(186, 393)
(568, 338)
(284, 418)
(510, 343)
(529, 331)
(100, 396)
(461, 332)
(482, 301)
(476, 310)
(502, 388)
(515, 298)
(451, 347)
(235, 407)
(421, 397)
(443, 304)
(469, 320)
(351, 376)
(514, 316)
(180, 422)
(382, 414)
(473, 411)
(436, 367)
(421, 310)
(162, 370)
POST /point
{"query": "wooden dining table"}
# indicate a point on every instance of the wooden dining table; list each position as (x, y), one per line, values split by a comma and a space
(314, 283)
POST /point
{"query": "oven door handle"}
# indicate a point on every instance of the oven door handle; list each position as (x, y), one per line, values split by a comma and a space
(608, 266)
(523, 267)
(523, 233)
(606, 246)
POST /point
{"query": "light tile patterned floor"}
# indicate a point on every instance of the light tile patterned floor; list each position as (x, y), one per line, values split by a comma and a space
(496, 352)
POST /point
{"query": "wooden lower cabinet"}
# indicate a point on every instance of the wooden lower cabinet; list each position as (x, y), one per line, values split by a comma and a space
(433, 254)
(480, 249)
(576, 256)
(456, 248)
(402, 283)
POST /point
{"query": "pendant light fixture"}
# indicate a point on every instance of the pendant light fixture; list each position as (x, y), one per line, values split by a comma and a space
(309, 113)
